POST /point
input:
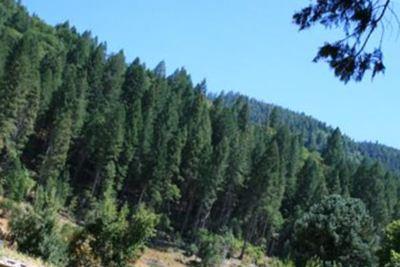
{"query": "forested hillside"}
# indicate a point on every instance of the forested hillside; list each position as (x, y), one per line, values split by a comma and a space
(129, 155)
(315, 133)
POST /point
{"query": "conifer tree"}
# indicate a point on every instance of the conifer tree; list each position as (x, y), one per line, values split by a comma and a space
(19, 98)
(161, 185)
(133, 88)
(105, 130)
(336, 231)
(238, 161)
(292, 167)
(197, 153)
(311, 184)
(333, 156)
(368, 185)
(265, 194)
(67, 118)
(222, 124)
(391, 189)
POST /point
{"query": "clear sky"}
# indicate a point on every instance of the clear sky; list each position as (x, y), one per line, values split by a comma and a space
(246, 46)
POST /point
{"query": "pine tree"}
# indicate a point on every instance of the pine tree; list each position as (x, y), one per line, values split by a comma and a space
(196, 153)
(391, 189)
(105, 130)
(222, 122)
(368, 185)
(311, 184)
(238, 161)
(67, 116)
(336, 231)
(19, 98)
(133, 88)
(274, 120)
(292, 167)
(162, 188)
(333, 156)
(264, 195)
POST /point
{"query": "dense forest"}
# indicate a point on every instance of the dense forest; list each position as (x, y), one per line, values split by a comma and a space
(315, 133)
(131, 155)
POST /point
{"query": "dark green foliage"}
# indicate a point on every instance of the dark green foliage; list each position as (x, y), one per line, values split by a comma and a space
(314, 133)
(311, 187)
(17, 181)
(19, 97)
(358, 20)
(336, 230)
(211, 248)
(113, 235)
(369, 186)
(334, 158)
(389, 254)
(36, 232)
(85, 134)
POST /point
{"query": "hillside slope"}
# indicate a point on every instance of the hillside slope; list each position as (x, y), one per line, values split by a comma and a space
(315, 133)
(136, 156)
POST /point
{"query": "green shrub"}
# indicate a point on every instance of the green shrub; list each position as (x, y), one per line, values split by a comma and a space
(17, 183)
(389, 254)
(212, 248)
(280, 263)
(81, 252)
(256, 255)
(38, 235)
(112, 235)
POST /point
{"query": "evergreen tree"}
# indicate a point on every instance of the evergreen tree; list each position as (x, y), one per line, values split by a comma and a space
(19, 98)
(368, 185)
(265, 194)
(197, 151)
(336, 231)
(238, 162)
(62, 128)
(113, 235)
(133, 88)
(292, 167)
(333, 156)
(105, 128)
(222, 124)
(311, 184)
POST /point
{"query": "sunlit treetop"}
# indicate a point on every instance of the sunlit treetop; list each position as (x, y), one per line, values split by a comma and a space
(351, 56)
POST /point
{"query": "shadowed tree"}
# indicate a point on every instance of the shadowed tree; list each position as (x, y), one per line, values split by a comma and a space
(362, 22)
(337, 230)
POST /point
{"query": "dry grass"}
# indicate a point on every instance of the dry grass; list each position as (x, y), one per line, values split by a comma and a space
(28, 261)
(163, 258)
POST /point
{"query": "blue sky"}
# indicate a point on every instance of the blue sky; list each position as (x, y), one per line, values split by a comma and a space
(246, 46)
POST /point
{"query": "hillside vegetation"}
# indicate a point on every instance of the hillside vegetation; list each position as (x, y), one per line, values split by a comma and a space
(315, 133)
(133, 156)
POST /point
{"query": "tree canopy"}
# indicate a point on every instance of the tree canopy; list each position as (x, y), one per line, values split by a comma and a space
(363, 24)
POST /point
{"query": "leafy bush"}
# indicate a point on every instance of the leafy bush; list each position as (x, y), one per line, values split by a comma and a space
(17, 183)
(81, 252)
(256, 255)
(336, 230)
(38, 235)
(279, 263)
(111, 235)
(212, 248)
(389, 254)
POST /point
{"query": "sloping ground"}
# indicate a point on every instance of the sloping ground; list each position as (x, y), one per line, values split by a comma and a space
(176, 258)
(167, 258)
(11, 258)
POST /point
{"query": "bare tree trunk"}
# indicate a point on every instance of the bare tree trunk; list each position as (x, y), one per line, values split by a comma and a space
(249, 235)
(187, 215)
(96, 181)
(226, 207)
(141, 196)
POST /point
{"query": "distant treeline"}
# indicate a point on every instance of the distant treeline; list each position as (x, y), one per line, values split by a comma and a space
(81, 123)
